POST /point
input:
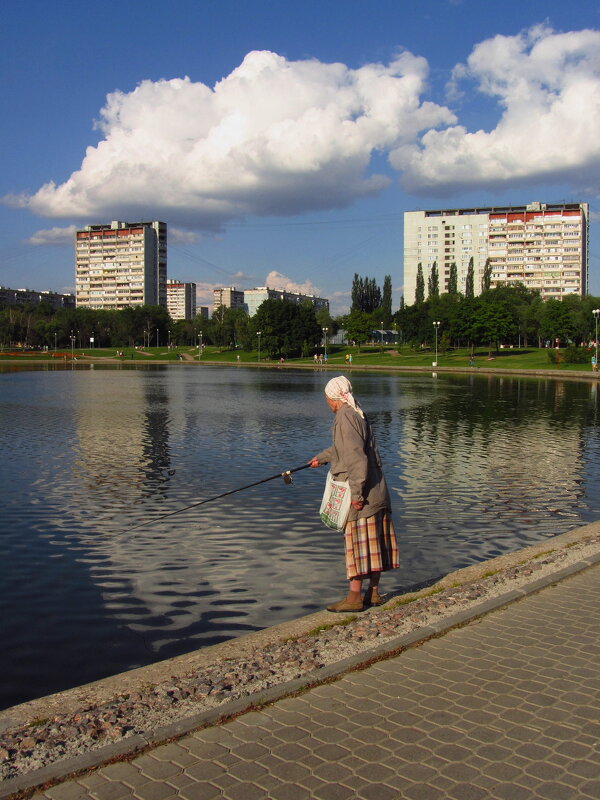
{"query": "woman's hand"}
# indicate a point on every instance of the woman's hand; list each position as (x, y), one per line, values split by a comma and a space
(314, 462)
(358, 504)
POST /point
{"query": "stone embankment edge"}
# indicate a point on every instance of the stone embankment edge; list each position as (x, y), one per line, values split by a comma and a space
(24, 785)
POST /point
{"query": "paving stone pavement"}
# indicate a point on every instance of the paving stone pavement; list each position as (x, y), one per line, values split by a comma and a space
(506, 707)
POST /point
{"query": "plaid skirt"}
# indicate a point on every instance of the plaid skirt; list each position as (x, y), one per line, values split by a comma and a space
(370, 545)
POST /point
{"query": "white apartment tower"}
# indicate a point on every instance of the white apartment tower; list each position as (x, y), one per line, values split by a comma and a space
(121, 264)
(228, 297)
(541, 245)
(253, 298)
(181, 299)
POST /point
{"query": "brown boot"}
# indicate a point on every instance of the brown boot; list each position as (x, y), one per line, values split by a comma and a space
(372, 597)
(349, 603)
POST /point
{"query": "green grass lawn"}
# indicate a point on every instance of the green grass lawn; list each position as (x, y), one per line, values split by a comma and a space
(392, 356)
(523, 358)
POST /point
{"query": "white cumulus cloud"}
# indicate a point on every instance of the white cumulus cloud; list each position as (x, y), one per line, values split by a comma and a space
(547, 85)
(274, 137)
(204, 293)
(53, 236)
(178, 236)
(276, 280)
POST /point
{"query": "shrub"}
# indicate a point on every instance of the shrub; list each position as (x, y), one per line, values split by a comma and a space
(570, 355)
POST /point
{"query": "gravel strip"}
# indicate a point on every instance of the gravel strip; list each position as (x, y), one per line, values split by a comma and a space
(27, 748)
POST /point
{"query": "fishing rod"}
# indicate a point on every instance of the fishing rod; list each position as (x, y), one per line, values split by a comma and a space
(287, 479)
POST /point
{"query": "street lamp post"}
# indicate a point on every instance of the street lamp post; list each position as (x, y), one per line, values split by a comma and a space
(169, 339)
(325, 333)
(55, 341)
(72, 344)
(258, 333)
(436, 325)
(157, 338)
(595, 312)
(382, 336)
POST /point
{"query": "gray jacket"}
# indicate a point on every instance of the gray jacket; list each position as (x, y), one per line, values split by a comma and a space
(354, 457)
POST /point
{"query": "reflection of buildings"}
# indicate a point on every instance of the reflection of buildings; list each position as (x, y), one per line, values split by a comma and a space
(493, 461)
(126, 424)
(541, 245)
(462, 458)
(122, 445)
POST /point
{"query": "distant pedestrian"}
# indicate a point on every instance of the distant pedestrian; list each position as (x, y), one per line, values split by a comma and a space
(594, 364)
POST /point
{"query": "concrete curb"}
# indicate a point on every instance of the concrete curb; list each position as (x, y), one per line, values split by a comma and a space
(125, 749)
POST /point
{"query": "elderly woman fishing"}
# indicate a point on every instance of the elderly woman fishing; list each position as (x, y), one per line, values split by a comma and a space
(369, 538)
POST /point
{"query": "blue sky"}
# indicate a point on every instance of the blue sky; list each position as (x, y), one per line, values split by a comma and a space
(283, 142)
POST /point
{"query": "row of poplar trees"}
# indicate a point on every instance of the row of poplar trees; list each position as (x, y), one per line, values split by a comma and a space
(368, 298)
(433, 281)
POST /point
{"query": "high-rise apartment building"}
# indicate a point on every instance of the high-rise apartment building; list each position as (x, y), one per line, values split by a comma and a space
(250, 299)
(31, 297)
(181, 299)
(254, 297)
(544, 246)
(121, 264)
(228, 297)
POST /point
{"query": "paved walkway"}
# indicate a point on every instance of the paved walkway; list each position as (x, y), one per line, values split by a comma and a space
(505, 707)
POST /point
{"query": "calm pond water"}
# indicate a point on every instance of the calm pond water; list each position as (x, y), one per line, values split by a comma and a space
(477, 466)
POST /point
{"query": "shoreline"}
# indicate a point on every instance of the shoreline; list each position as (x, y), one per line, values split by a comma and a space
(50, 737)
(466, 370)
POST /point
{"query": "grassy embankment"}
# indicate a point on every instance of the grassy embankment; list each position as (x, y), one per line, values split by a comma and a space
(389, 356)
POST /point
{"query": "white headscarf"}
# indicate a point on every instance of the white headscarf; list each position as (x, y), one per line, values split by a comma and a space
(341, 389)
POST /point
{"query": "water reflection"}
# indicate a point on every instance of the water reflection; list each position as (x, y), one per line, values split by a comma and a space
(477, 466)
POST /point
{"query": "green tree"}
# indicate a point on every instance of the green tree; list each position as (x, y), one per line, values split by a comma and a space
(556, 321)
(470, 285)
(433, 282)
(358, 326)
(414, 323)
(486, 279)
(453, 279)
(420, 285)
(491, 324)
(386, 301)
(445, 309)
(444, 343)
(366, 295)
(463, 321)
(325, 320)
(285, 327)
(242, 329)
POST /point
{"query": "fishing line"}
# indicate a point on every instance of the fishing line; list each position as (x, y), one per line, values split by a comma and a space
(287, 479)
